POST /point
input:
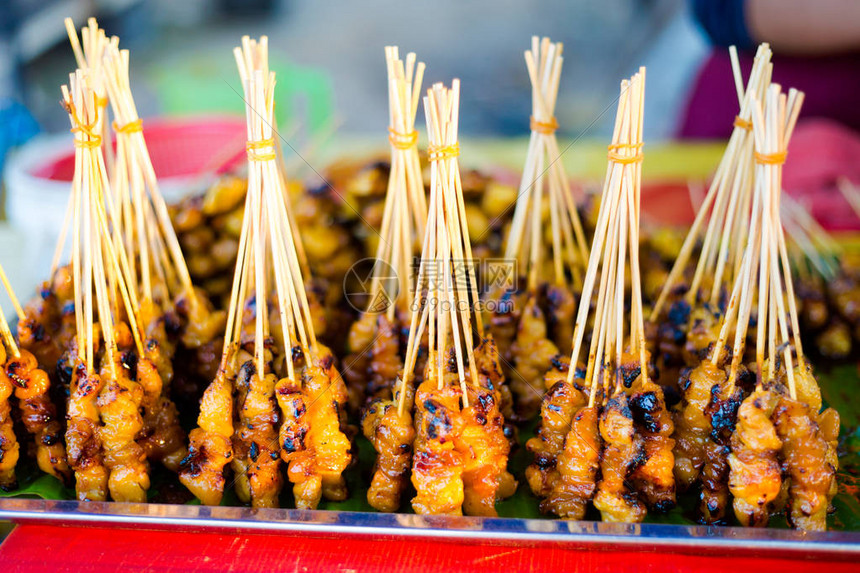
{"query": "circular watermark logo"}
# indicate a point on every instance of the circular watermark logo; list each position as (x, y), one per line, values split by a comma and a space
(371, 285)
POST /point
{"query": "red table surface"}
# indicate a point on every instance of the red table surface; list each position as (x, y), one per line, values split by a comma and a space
(33, 548)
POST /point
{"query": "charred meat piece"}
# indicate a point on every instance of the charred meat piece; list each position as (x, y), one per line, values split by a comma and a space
(622, 454)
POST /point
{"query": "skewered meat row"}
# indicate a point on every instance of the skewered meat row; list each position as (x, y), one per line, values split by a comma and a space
(119, 402)
(722, 411)
(558, 406)
(755, 477)
(9, 448)
(357, 362)
(437, 466)
(307, 486)
(259, 432)
(692, 424)
(83, 442)
(49, 321)
(211, 449)
(623, 452)
(577, 466)
(392, 435)
(654, 479)
(39, 414)
(326, 399)
(374, 362)
(812, 474)
(561, 305)
(466, 448)
(482, 440)
(532, 352)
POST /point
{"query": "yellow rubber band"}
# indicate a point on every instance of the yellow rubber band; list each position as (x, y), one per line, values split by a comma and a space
(86, 129)
(615, 146)
(88, 144)
(777, 158)
(253, 156)
(130, 127)
(624, 159)
(101, 101)
(545, 127)
(263, 143)
(742, 123)
(254, 146)
(402, 140)
(440, 152)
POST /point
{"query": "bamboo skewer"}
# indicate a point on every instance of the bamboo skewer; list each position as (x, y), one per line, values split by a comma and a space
(445, 293)
(405, 211)
(765, 272)
(270, 251)
(543, 174)
(616, 231)
(726, 201)
(851, 194)
(5, 331)
(141, 206)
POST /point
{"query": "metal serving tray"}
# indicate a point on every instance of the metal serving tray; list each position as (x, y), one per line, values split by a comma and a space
(702, 540)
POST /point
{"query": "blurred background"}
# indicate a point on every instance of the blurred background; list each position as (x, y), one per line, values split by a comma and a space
(329, 56)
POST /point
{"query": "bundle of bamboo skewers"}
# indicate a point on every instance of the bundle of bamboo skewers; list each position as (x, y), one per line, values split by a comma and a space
(277, 394)
(608, 418)
(533, 321)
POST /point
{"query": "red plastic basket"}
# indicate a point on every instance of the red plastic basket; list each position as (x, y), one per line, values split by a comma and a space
(178, 147)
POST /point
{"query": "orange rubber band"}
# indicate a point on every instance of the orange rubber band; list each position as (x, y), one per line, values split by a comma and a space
(130, 127)
(742, 123)
(101, 101)
(253, 156)
(88, 144)
(402, 140)
(614, 146)
(263, 143)
(777, 158)
(253, 146)
(440, 152)
(545, 127)
(88, 130)
(624, 159)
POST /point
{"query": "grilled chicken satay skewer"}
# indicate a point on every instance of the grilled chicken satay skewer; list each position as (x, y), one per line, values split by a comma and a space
(374, 338)
(710, 394)
(544, 182)
(460, 448)
(808, 436)
(623, 441)
(310, 439)
(596, 423)
(21, 373)
(104, 402)
(155, 272)
(566, 398)
(375, 334)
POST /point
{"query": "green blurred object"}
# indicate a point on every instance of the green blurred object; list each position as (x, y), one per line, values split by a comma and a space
(33, 483)
(200, 84)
